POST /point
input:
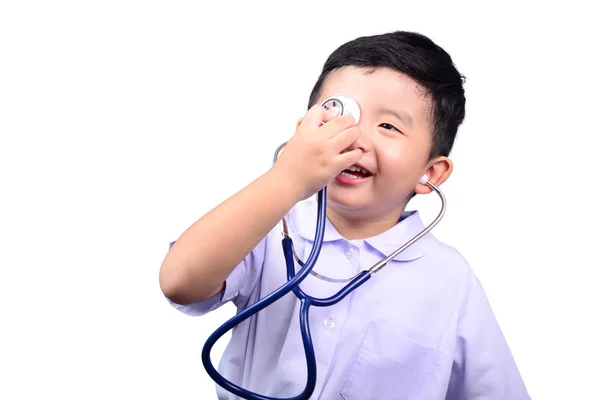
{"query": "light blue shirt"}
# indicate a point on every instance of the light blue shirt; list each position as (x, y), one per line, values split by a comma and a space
(421, 328)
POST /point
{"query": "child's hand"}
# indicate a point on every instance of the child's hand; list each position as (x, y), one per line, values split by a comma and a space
(313, 156)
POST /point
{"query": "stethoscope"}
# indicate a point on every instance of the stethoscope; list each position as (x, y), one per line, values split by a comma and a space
(346, 105)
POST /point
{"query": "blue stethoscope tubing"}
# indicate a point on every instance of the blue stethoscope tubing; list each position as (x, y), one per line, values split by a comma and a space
(347, 105)
(305, 302)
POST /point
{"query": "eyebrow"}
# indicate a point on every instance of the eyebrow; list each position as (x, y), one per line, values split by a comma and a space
(402, 116)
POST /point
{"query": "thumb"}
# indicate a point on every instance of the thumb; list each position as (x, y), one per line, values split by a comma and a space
(317, 116)
(331, 114)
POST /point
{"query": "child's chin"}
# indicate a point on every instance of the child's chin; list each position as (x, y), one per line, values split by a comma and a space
(346, 200)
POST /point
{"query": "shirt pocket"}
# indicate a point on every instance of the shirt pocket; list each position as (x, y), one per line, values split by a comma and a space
(389, 365)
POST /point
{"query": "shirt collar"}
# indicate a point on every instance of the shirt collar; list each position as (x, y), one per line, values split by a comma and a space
(303, 221)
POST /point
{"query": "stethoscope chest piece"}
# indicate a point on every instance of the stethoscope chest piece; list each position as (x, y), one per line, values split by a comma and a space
(346, 105)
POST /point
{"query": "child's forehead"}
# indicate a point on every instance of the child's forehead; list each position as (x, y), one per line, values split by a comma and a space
(376, 78)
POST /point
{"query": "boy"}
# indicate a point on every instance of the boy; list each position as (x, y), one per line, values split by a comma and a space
(422, 327)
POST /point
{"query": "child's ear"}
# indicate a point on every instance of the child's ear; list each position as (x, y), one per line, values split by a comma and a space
(438, 172)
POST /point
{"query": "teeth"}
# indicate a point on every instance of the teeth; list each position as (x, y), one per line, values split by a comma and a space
(347, 175)
(358, 169)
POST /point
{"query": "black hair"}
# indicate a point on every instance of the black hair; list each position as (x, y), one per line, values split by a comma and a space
(419, 58)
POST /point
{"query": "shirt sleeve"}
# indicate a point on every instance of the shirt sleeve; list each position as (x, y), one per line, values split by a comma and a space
(238, 285)
(483, 366)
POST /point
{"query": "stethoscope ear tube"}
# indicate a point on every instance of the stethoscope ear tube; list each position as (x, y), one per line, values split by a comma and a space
(294, 281)
(268, 300)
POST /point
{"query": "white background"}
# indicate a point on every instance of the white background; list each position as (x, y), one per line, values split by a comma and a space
(122, 122)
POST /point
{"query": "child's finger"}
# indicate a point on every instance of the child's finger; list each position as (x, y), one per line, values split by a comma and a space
(348, 158)
(344, 139)
(314, 117)
(338, 125)
(330, 114)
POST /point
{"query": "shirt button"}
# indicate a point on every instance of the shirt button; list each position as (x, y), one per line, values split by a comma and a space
(329, 323)
(350, 252)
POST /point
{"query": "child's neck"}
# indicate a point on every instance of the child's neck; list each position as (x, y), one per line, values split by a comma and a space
(353, 227)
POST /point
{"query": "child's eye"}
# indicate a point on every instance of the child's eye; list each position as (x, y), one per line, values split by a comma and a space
(388, 127)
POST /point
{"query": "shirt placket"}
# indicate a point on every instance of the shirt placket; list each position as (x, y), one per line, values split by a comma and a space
(334, 318)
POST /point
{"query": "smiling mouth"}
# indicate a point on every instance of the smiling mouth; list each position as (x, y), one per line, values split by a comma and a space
(355, 175)
(352, 175)
(356, 172)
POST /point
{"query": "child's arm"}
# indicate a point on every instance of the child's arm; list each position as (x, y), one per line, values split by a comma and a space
(198, 264)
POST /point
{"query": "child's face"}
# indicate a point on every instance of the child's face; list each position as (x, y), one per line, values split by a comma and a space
(395, 137)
